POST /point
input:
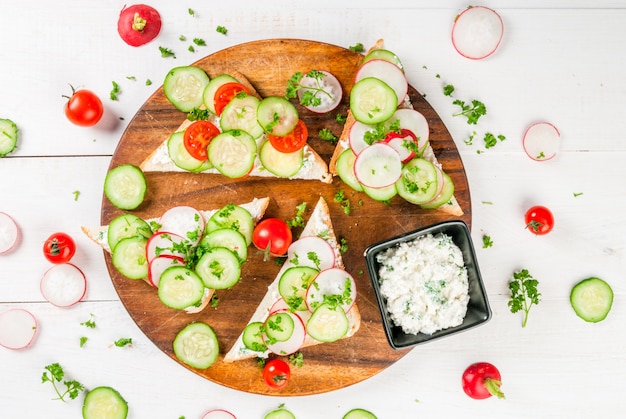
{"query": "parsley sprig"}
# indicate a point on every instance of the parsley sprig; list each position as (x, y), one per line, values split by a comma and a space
(310, 93)
(54, 374)
(524, 293)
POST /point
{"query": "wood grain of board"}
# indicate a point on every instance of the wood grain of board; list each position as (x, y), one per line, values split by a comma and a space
(268, 64)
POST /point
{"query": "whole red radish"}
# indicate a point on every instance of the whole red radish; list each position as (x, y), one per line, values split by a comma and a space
(482, 380)
(138, 24)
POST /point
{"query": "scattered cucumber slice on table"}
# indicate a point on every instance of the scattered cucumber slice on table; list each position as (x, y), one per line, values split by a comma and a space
(196, 345)
(125, 186)
(592, 299)
(280, 413)
(359, 414)
(8, 136)
(104, 403)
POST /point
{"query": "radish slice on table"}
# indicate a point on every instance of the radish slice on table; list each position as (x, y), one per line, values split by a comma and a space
(138, 24)
(388, 73)
(415, 122)
(541, 141)
(218, 414)
(9, 233)
(165, 244)
(477, 32)
(312, 251)
(378, 166)
(334, 281)
(356, 136)
(159, 264)
(294, 342)
(63, 285)
(184, 221)
(18, 328)
(326, 88)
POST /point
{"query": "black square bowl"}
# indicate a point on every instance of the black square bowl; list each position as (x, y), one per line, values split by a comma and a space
(478, 310)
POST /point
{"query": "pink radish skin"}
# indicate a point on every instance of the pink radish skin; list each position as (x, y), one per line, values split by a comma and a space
(218, 414)
(397, 142)
(415, 122)
(541, 141)
(477, 32)
(296, 340)
(184, 221)
(158, 265)
(317, 245)
(18, 328)
(388, 73)
(378, 166)
(9, 233)
(63, 285)
(138, 24)
(162, 244)
(330, 282)
(440, 181)
(329, 84)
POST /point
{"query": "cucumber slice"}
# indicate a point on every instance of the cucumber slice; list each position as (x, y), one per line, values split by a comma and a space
(277, 115)
(125, 186)
(293, 284)
(345, 169)
(180, 156)
(240, 113)
(383, 54)
(328, 323)
(228, 238)
(232, 153)
(180, 288)
(208, 95)
(8, 136)
(372, 101)
(129, 257)
(359, 414)
(280, 413)
(444, 196)
(124, 226)
(279, 326)
(418, 183)
(281, 164)
(234, 217)
(104, 403)
(184, 86)
(196, 345)
(253, 337)
(219, 268)
(381, 194)
(592, 299)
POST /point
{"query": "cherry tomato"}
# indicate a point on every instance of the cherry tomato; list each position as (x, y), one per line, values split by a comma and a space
(59, 248)
(276, 373)
(482, 380)
(539, 220)
(197, 137)
(293, 141)
(225, 93)
(273, 236)
(84, 108)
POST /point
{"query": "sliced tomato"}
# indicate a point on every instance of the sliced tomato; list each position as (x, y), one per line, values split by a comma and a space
(197, 137)
(225, 93)
(293, 141)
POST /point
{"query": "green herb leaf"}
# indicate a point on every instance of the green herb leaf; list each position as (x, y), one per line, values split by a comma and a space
(123, 342)
(524, 293)
(115, 91)
(222, 30)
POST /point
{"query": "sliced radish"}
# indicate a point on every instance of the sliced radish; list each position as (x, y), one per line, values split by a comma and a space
(9, 233)
(327, 89)
(311, 251)
(63, 285)
(218, 414)
(184, 221)
(440, 184)
(165, 244)
(415, 122)
(356, 136)
(159, 264)
(279, 304)
(294, 342)
(388, 72)
(378, 166)
(334, 281)
(18, 328)
(404, 142)
(541, 141)
(477, 32)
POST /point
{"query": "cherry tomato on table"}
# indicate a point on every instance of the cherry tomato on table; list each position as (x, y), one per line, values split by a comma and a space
(197, 137)
(482, 380)
(273, 236)
(83, 108)
(293, 141)
(276, 373)
(59, 248)
(225, 93)
(539, 220)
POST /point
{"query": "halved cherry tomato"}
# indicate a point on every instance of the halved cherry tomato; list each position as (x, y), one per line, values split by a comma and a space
(197, 137)
(293, 141)
(83, 108)
(273, 236)
(276, 373)
(59, 248)
(539, 220)
(225, 93)
(482, 380)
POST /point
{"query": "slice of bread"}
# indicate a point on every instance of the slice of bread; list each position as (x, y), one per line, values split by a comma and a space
(452, 207)
(314, 167)
(319, 224)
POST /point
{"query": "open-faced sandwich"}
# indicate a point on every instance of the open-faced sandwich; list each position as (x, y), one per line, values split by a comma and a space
(312, 300)
(384, 148)
(236, 132)
(186, 254)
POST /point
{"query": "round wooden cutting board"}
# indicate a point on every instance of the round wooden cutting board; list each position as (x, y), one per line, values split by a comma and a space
(268, 65)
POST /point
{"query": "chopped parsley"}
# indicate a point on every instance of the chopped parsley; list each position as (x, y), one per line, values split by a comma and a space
(358, 47)
(166, 52)
(326, 135)
(487, 242)
(72, 387)
(298, 219)
(221, 29)
(120, 343)
(115, 91)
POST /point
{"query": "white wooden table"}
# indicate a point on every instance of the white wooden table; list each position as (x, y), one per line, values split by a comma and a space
(559, 61)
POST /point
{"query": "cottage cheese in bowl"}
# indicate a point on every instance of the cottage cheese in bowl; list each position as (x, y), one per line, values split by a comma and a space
(424, 283)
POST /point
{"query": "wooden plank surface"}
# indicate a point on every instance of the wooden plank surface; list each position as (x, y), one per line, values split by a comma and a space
(268, 65)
